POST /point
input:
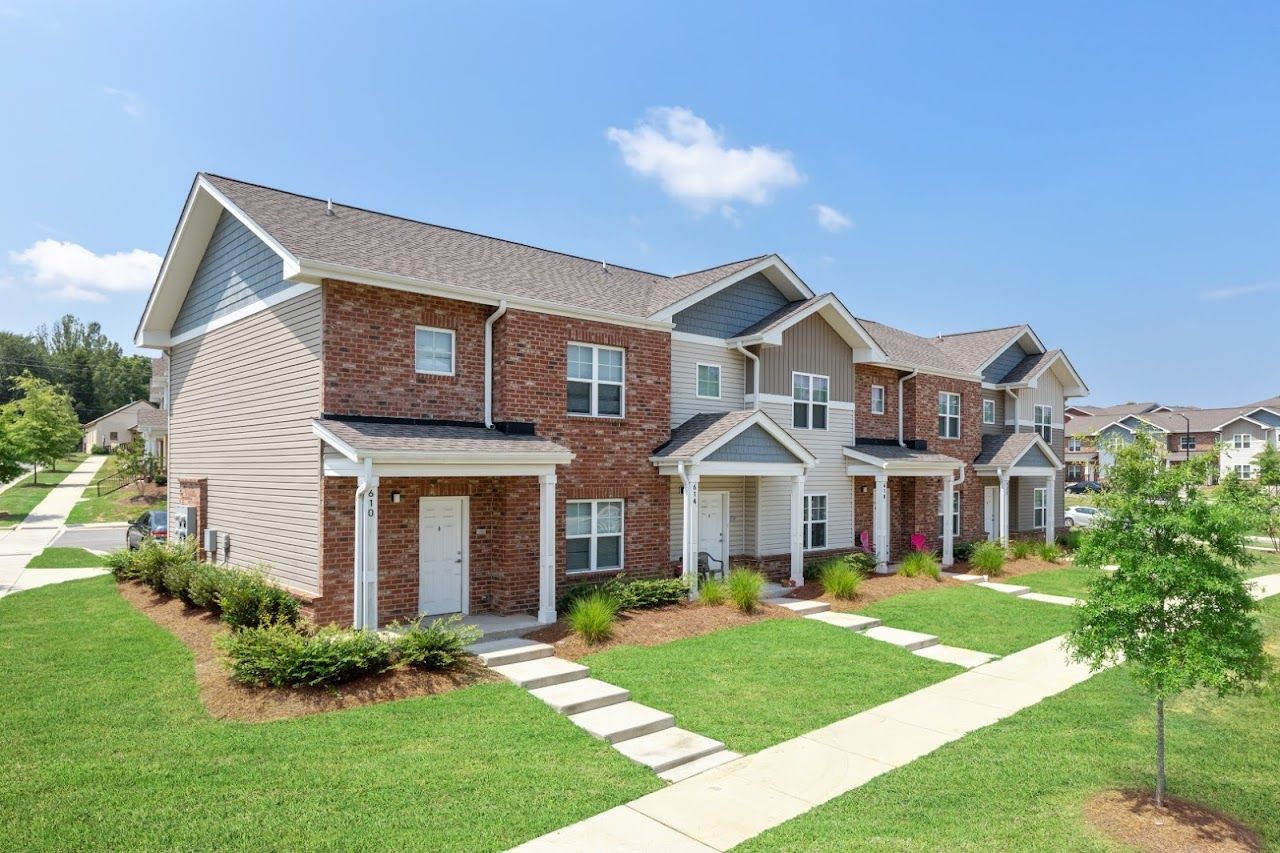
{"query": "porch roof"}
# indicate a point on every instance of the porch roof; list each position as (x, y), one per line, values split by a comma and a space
(1010, 452)
(418, 442)
(895, 460)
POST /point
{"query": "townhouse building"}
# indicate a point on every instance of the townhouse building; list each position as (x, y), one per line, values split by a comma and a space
(402, 419)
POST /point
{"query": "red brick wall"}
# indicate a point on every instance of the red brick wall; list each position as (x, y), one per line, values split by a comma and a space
(369, 354)
(194, 491)
(869, 425)
(1204, 441)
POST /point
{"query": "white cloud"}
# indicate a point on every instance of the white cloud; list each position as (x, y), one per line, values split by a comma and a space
(70, 271)
(130, 102)
(693, 165)
(1220, 293)
(831, 219)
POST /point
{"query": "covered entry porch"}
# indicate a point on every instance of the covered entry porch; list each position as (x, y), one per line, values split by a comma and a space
(1020, 486)
(433, 519)
(731, 472)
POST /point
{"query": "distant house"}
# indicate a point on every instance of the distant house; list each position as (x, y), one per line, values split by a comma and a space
(114, 428)
(153, 423)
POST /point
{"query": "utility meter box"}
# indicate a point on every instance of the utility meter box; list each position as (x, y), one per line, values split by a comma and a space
(211, 542)
(182, 521)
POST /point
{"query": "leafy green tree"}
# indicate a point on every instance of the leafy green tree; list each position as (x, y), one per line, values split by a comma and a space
(20, 354)
(92, 367)
(133, 462)
(1178, 609)
(42, 423)
(10, 462)
(1268, 462)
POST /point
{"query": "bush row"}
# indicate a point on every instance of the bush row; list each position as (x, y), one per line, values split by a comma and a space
(627, 594)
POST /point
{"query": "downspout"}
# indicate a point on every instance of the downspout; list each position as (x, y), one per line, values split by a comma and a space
(363, 482)
(755, 374)
(901, 383)
(488, 362)
(684, 525)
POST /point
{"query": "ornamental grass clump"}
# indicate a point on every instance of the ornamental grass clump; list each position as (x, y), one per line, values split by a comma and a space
(988, 557)
(712, 592)
(919, 563)
(1021, 549)
(744, 587)
(840, 579)
(1049, 553)
(592, 617)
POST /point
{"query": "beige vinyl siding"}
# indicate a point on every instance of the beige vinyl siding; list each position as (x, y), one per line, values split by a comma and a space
(242, 401)
(810, 346)
(742, 512)
(685, 356)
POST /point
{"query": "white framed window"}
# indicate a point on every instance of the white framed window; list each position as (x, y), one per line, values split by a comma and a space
(988, 411)
(955, 515)
(595, 383)
(708, 380)
(810, 395)
(948, 414)
(1244, 472)
(877, 399)
(1040, 508)
(1043, 418)
(1188, 442)
(593, 535)
(1242, 441)
(433, 350)
(815, 522)
(1075, 445)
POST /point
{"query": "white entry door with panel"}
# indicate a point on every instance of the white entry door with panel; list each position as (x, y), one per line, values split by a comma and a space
(990, 505)
(442, 556)
(713, 526)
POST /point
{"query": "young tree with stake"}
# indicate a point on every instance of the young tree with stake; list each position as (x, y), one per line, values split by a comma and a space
(1178, 609)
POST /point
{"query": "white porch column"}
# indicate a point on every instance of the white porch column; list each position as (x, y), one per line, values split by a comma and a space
(880, 523)
(948, 527)
(1050, 526)
(365, 582)
(1002, 520)
(691, 531)
(797, 529)
(546, 548)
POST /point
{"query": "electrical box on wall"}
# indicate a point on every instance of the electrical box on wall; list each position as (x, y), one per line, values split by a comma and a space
(211, 542)
(182, 521)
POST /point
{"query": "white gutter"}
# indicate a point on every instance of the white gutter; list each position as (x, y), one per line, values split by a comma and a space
(686, 510)
(488, 362)
(755, 374)
(902, 382)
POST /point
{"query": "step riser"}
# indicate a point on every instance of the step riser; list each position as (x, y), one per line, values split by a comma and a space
(699, 765)
(493, 659)
(636, 731)
(551, 680)
(662, 766)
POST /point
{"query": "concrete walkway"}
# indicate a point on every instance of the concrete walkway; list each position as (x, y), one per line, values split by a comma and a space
(725, 806)
(19, 544)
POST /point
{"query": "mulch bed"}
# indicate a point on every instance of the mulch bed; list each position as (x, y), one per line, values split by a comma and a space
(1013, 568)
(651, 627)
(873, 588)
(1131, 818)
(229, 700)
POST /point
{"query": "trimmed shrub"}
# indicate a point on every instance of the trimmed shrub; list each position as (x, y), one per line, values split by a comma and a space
(863, 562)
(963, 551)
(652, 592)
(840, 579)
(744, 587)
(122, 564)
(1049, 553)
(280, 655)
(593, 616)
(247, 600)
(1021, 549)
(712, 592)
(177, 579)
(438, 645)
(988, 557)
(206, 583)
(920, 563)
(1070, 540)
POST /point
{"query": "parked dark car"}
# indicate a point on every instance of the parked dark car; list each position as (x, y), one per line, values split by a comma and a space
(1084, 487)
(153, 523)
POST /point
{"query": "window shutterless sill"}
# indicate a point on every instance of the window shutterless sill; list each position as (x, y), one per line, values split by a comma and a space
(574, 573)
(596, 417)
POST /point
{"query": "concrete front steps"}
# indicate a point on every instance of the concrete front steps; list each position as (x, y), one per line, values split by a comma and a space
(1006, 588)
(643, 734)
(923, 645)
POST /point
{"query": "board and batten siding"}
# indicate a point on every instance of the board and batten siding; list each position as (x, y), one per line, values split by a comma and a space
(728, 312)
(242, 400)
(685, 357)
(810, 346)
(237, 269)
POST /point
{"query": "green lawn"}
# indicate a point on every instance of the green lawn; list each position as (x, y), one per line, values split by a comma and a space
(107, 747)
(18, 500)
(1070, 581)
(974, 618)
(760, 684)
(65, 558)
(1021, 784)
(122, 505)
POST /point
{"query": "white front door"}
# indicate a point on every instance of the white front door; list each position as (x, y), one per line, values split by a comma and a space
(713, 518)
(990, 501)
(442, 555)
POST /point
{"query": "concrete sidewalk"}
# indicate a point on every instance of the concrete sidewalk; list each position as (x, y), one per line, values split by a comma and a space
(739, 800)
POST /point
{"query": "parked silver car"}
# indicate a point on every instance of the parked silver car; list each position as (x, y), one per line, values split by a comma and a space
(1082, 516)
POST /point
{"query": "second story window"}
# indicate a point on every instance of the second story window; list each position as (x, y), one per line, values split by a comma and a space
(948, 414)
(595, 380)
(988, 411)
(1075, 445)
(1244, 472)
(433, 351)
(1188, 442)
(709, 381)
(809, 396)
(1043, 416)
(877, 399)
(1242, 441)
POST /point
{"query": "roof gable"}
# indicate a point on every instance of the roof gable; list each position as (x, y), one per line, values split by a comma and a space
(727, 312)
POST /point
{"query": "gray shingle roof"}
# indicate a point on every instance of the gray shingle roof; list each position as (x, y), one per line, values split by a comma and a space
(786, 312)
(970, 350)
(381, 243)
(905, 348)
(416, 438)
(700, 431)
(153, 418)
(1004, 449)
(1029, 366)
(895, 453)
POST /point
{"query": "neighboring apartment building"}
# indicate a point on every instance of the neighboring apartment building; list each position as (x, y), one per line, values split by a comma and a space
(153, 421)
(115, 427)
(400, 418)
(1235, 435)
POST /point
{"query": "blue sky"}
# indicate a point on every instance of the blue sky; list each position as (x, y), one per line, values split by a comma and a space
(1106, 172)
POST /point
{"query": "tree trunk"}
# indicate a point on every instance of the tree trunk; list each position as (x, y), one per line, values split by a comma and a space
(1160, 753)
(35, 474)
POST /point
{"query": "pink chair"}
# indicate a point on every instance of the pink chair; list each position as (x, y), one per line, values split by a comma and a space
(864, 539)
(917, 541)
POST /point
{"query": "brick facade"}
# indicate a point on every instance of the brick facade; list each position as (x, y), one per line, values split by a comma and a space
(869, 425)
